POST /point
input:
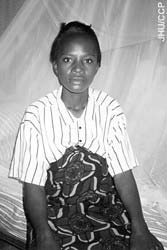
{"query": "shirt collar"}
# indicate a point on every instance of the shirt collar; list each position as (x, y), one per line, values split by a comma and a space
(67, 115)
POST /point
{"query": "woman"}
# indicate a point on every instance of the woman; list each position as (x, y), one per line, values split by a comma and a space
(74, 157)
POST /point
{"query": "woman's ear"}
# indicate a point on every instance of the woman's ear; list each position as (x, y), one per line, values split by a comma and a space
(54, 66)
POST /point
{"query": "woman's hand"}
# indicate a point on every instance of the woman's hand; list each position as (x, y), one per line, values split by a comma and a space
(47, 242)
(144, 241)
(48, 245)
(141, 238)
(36, 209)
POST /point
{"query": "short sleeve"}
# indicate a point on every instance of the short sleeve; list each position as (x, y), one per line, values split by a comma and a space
(28, 162)
(120, 154)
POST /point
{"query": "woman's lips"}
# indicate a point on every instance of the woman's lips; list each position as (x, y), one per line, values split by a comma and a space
(77, 79)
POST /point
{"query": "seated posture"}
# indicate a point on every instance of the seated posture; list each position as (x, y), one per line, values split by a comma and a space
(75, 159)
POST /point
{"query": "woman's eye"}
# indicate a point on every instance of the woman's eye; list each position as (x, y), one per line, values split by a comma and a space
(66, 59)
(89, 60)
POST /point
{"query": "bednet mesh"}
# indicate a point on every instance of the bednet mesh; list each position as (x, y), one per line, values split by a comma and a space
(133, 71)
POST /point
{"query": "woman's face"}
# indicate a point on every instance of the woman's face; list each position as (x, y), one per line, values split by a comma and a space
(76, 63)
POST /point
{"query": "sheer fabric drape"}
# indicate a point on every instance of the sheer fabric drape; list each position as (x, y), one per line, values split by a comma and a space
(133, 71)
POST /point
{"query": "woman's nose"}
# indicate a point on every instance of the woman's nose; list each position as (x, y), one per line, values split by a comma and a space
(78, 67)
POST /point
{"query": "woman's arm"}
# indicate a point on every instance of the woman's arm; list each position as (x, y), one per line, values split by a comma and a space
(36, 210)
(141, 236)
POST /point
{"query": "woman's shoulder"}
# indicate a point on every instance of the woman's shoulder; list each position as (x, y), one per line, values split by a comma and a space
(44, 101)
(42, 104)
(106, 101)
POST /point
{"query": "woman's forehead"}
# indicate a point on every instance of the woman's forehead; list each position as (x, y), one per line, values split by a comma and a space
(78, 43)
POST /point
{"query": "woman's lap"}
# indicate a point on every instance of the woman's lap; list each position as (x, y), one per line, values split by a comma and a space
(84, 208)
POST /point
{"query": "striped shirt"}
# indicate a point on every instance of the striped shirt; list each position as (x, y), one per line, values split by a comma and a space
(48, 129)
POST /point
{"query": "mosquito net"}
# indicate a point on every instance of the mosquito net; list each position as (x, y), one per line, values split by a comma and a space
(133, 70)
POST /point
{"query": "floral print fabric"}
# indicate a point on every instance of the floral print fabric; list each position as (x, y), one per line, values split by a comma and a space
(84, 208)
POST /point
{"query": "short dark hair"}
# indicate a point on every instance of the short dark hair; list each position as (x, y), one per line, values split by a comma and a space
(74, 27)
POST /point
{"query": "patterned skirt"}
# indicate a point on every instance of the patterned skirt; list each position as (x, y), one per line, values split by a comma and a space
(84, 208)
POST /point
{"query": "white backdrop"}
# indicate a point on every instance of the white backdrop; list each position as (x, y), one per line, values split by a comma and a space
(133, 70)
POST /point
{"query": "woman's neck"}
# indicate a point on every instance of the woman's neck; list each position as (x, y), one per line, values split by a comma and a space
(74, 101)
